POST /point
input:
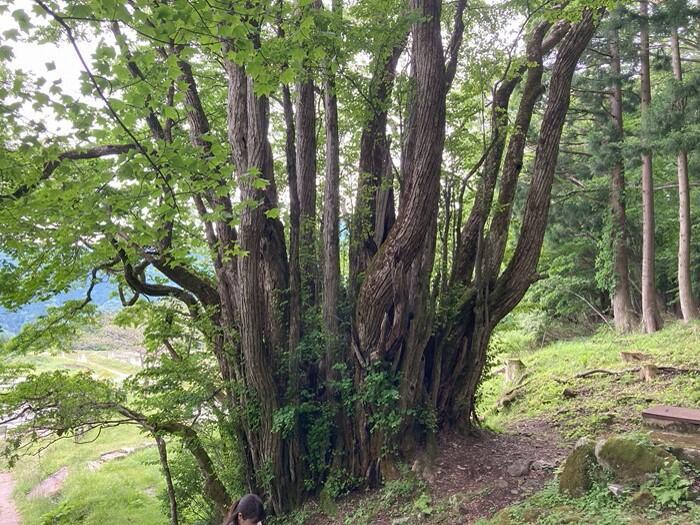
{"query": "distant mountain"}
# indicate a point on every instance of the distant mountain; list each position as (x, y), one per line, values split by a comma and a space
(103, 295)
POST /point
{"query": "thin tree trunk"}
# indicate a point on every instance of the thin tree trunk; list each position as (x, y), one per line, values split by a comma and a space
(650, 313)
(331, 248)
(685, 288)
(306, 188)
(172, 500)
(294, 268)
(621, 300)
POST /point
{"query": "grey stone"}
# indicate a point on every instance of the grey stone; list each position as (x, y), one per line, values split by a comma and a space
(616, 489)
(520, 468)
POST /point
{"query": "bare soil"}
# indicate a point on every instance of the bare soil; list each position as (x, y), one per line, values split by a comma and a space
(471, 473)
(8, 511)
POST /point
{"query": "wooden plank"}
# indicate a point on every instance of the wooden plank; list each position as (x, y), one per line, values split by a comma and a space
(669, 413)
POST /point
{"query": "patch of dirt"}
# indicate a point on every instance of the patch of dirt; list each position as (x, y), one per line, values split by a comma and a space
(479, 475)
(8, 511)
(51, 485)
(481, 472)
(115, 454)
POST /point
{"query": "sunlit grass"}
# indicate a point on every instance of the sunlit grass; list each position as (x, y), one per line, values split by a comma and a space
(602, 402)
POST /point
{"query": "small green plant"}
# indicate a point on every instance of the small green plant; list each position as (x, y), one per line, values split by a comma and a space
(671, 486)
(424, 504)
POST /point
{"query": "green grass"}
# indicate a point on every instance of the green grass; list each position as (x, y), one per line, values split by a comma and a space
(603, 403)
(120, 491)
(598, 507)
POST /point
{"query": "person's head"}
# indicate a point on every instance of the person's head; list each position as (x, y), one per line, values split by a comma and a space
(248, 510)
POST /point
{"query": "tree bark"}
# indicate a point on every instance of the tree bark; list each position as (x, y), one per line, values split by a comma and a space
(306, 188)
(374, 152)
(689, 308)
(650, 313)
(331, 247)
(172, 500)
(484, 304)
(382, 315)
(623, 312)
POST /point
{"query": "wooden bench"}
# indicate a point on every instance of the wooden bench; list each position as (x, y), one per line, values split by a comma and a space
(680, 418)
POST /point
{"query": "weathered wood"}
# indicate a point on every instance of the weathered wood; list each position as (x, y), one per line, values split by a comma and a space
(514, 370)
(673, 413)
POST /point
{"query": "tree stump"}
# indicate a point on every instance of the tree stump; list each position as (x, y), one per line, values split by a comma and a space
(648, 372)
(515, 369)
(634, 357)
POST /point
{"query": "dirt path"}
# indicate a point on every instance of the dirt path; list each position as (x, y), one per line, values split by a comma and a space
(8, 511)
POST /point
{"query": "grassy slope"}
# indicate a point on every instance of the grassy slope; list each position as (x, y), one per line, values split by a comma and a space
(603, 403)
(120, 491)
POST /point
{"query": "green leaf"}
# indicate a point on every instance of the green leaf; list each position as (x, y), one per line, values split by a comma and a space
(22, 19)
(273, 213)
(6, 53)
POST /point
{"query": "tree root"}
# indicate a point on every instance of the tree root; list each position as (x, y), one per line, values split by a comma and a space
(667, 369)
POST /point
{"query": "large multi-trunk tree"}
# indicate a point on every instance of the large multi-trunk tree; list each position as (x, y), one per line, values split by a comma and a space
(190, 210)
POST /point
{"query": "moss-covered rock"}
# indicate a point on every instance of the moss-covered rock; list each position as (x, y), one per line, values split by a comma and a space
(629, 460)
(576, 475)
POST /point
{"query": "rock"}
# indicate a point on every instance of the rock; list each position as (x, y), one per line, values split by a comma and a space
(400, 521)
(501, 484)
(630, 460)
(616, 489)
(685, 447)
(582, 442)
(642, 498)
(541, 464)
(520, 468)
(51, 485)
(575, 478)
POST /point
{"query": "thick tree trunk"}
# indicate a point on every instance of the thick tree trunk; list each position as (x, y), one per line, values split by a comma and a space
(374, 153)
(623, 312)
(685, 287)
(650, 313)
(484, 304)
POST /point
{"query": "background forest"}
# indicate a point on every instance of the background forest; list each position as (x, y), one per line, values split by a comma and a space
(330, 222)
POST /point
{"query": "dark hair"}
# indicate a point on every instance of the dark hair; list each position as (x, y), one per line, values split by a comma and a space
(250, 506)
